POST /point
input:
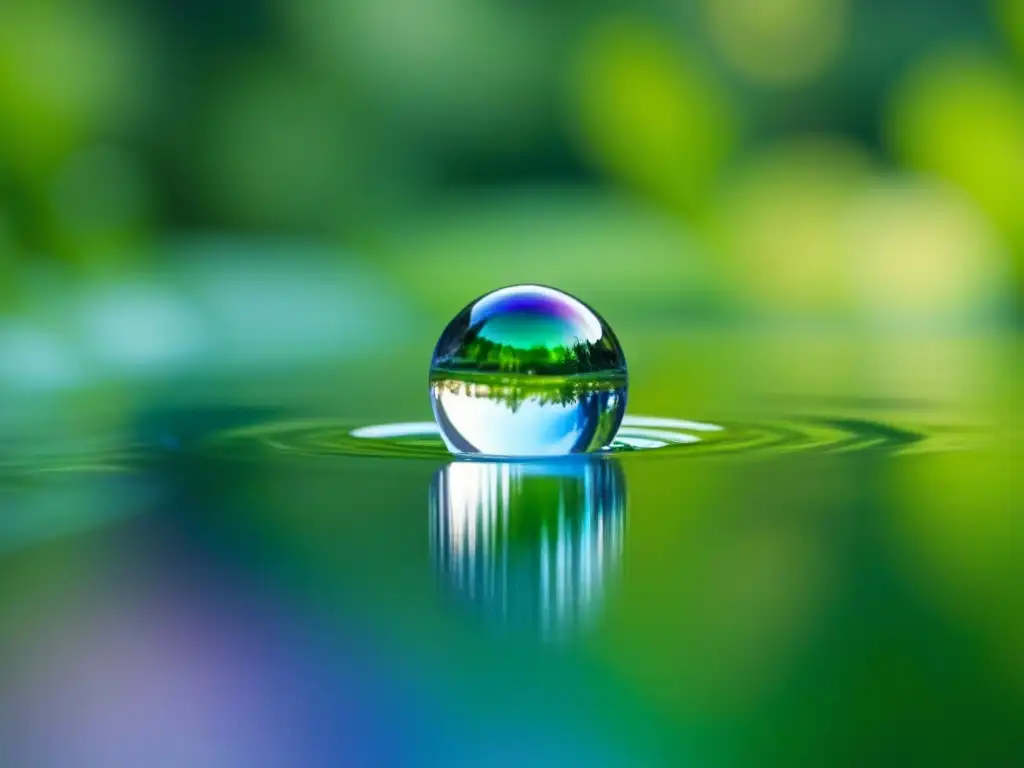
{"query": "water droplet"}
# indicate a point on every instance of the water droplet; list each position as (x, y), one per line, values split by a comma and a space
(528, 371)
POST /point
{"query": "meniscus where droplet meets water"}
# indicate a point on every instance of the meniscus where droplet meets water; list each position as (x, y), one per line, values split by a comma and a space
(528, 371)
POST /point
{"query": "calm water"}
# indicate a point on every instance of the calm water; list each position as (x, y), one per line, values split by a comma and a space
(801, 569)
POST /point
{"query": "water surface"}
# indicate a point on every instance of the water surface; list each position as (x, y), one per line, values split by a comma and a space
(797, 576)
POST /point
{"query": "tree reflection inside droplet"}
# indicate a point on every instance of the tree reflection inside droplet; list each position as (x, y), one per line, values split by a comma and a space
(530, 546)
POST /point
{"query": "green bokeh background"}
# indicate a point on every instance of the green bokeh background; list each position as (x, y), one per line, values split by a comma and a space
(809, 207)
(835, 160)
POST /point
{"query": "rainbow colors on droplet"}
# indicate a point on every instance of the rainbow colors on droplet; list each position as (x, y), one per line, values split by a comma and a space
(528, 371)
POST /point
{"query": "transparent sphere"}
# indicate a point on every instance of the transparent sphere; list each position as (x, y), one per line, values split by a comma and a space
(528, 371)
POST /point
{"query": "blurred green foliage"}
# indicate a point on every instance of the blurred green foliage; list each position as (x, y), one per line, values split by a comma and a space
(753, 132)
(368, 166)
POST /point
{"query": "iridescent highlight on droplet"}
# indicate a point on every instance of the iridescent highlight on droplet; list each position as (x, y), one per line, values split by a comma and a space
(528, 371)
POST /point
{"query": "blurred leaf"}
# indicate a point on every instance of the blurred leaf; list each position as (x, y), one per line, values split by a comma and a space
(920, 250)
(648, 114)
(783, 42)
(780, 224)
(1010, 14)
(960, 114)
(67, 69)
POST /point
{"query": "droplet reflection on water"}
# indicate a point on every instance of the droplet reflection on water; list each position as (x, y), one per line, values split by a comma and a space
(528, 371)
(531, 546)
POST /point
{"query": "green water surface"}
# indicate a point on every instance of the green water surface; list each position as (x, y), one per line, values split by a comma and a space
(833, 577)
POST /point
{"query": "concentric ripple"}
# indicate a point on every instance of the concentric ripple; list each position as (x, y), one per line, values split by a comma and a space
(648, 436)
